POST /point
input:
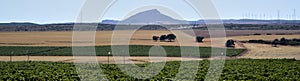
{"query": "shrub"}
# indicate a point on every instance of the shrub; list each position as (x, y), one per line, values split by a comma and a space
(155, 38)
(257, 34)
(275, 42)
(283, 41)
(163, 38)
(267, 42)
(256, 41)
(230, 43)
(280, 34)
(298, 40)
(171, 37)
(199, 39)
(294, 43)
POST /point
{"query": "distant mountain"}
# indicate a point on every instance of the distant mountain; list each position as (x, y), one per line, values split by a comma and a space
(147, 17)
(18, 24)
(110, 21)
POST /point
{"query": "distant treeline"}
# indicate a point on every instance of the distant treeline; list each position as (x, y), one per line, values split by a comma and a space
(16, 27)
(282, 41)
(255, 27)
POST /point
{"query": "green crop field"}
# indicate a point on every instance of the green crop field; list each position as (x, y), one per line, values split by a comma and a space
(242, 69)
(135, 50)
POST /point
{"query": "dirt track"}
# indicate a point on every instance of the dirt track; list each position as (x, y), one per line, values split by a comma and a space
(100, 59)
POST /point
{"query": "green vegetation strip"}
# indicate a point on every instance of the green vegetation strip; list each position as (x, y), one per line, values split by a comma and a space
(135, 50)
(242, 69)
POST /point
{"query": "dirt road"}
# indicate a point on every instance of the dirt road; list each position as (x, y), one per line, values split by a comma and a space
(100, 59)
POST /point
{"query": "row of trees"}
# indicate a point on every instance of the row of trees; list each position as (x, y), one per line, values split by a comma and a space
(229, 43)
(284, 41)
(275, 42)
(253, 27)
(170, 37)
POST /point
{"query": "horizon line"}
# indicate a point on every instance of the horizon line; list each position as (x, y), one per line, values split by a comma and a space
(121, 20)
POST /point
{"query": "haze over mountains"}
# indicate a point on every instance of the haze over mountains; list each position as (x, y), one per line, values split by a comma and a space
(155, 17)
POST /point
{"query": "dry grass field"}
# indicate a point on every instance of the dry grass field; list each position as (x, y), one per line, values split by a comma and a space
(142, 37)
(65, 38)
(265, 51)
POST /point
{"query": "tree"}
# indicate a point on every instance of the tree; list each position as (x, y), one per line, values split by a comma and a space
(155, 38)
(171, 37)
(230, 43)
(199, 39)
(283, 41)
(163, 38)
(275, 42)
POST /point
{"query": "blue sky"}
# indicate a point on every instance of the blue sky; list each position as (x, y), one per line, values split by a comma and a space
(60, 11)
